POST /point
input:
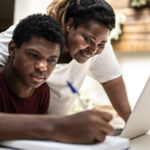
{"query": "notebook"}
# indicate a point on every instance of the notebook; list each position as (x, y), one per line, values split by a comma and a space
(110, 143)
(138, 123)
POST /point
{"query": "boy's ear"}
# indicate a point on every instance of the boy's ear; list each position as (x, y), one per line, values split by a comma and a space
(69, 25)
(11, 48)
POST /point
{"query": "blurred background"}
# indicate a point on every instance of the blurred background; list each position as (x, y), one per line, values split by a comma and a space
(130, 40)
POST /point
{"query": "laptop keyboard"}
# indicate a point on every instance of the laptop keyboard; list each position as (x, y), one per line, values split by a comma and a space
(116, 131)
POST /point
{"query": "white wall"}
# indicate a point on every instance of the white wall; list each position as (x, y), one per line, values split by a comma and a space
(136, 70)
(24, 8)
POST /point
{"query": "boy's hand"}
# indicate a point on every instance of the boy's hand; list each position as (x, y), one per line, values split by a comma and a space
(85, 127)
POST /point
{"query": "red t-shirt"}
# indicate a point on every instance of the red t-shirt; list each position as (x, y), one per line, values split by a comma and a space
(38, 103)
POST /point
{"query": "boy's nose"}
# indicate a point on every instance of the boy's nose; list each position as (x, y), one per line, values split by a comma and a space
(42, 66)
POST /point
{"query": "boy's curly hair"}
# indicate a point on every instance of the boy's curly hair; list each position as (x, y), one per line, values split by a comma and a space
(38, 25)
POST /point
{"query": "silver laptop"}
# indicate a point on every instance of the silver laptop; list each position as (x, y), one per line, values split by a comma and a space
(139, 120)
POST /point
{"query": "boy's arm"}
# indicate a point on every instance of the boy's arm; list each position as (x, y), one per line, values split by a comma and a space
(86, 127)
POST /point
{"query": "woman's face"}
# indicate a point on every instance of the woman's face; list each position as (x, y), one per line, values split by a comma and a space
(86, 40)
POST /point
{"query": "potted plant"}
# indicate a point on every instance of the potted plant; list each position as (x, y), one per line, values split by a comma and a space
(140, 3)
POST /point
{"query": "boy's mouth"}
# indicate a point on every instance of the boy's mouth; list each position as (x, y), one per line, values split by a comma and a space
(38, 78)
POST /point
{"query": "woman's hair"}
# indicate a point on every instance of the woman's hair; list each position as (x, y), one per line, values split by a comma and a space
(82, 11)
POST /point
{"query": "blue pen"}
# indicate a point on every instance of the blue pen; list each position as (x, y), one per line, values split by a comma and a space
(75, 91)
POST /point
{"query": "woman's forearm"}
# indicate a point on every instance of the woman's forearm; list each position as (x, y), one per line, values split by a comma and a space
(116, 91)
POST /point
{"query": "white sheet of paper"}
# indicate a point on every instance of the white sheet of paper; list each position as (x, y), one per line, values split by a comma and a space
(110, 143)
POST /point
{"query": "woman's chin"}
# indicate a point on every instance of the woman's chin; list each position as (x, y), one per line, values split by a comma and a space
(81, 61)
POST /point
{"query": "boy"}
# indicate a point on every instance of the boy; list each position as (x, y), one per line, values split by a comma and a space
(34, 51)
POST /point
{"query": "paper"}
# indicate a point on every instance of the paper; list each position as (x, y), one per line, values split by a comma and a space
(110, 143)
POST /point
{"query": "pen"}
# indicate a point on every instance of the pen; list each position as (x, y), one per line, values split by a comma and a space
(75, 91)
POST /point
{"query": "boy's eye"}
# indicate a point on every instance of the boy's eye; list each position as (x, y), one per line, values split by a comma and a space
(33, 55)
(51, 60)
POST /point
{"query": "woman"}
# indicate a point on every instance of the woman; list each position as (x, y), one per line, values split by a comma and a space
(86, 25)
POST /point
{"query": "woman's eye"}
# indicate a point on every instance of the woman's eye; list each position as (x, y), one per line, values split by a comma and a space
(101, 45)
(88, 40)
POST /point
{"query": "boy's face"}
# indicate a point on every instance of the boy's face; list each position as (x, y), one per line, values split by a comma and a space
(34, 61)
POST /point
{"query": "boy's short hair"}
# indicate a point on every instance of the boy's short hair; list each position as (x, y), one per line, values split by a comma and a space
(38, 25)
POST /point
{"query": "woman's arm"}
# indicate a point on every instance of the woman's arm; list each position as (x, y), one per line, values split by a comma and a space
(5, 38)
(116, 92)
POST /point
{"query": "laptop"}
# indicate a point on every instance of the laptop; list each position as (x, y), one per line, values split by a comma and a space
(139, 121)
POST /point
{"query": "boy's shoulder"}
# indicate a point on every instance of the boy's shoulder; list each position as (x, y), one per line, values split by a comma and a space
(2, 82)
(44, 85)
(44, 88)
(1, 76)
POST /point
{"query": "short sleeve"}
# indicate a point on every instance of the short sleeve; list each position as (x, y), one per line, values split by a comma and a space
(105, 67)
(5, 38)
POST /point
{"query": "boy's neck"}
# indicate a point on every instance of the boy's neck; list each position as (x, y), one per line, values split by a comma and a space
(16, 86)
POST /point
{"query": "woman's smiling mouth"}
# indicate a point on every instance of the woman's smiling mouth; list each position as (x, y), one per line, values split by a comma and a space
(86, 53)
